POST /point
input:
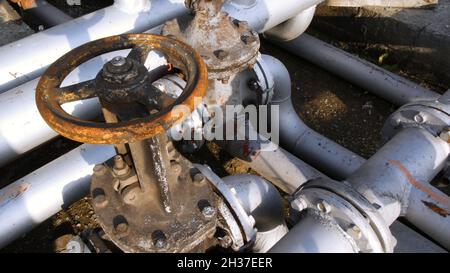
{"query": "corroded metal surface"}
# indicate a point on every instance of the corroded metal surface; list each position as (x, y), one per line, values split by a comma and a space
(49, 95)
(227, 45)
(145, 219)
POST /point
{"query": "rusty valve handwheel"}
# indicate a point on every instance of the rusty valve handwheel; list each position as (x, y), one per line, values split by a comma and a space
(50, 96)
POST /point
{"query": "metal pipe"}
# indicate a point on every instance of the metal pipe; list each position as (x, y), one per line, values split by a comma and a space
(268, 159)
(397, 178)
(46, 14)
(264, 203)
(314, 235)
(21, 63)
(263, 15)
(292, 28)
(317, 150)
(373, 78)
(31, 200)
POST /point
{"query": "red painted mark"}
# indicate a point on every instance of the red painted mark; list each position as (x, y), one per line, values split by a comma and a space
(12, 194)
(433, 195)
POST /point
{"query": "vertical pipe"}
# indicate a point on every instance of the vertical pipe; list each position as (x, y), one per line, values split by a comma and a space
(322, 153)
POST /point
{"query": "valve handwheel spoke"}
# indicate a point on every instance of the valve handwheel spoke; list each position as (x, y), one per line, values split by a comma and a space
(129, 81)
(79, 91)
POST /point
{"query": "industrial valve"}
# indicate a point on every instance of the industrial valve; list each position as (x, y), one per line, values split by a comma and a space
(148, 198)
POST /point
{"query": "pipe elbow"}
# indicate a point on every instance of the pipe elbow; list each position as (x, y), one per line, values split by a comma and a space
(292, 28)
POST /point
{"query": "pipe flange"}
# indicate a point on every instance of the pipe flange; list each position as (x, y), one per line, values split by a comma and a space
(350, 208)
(433, 116)
(246, 221)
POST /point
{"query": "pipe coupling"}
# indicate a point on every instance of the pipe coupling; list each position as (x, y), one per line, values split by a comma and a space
(364, 228)
(432, 115)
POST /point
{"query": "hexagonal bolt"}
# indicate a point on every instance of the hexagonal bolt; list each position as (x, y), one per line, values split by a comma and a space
(121, 227)
(176, 167)
(220, 54)
(248, 38)
(208, 211)
(119, 163)
(419, 118)
(445, 134)
(100, 200)
(226, 241)
(118, 61)
(354, 231)
(196, 175)
(299, 204)
(99, 169)
(323, 206)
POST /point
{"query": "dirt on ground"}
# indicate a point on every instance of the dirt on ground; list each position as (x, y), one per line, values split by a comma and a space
(335, 108)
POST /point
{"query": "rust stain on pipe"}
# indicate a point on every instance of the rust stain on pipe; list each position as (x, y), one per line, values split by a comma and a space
(12, 194)
(436, 208)
(439, 198)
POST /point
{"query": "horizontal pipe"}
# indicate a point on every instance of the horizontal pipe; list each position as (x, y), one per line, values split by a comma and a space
(263, 15)
(397, 179)
(34, 198)
(372, 78)
(26, 59)
(322, 153)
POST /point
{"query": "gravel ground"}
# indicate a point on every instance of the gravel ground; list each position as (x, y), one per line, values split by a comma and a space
(343, 112)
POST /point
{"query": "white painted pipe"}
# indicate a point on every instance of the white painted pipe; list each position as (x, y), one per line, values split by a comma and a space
(26, 59)
(33, 199)
(263, 15)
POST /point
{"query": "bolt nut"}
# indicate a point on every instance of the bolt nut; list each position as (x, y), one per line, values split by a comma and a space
(324, 207)
(121, 228)
(445, 135)
(100, 169)
(419, 118)
(226, 241)
(220, 54)
(208, 211)
(100, 200)
(248, 38)
(299, 204)
(354, 231)
(118, 61)
(198, 177)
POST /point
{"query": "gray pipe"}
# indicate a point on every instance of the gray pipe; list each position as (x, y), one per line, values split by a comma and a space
(314, 235)
(317, 150)
(381, 82)
(261, 200)
(268, 159)
(34, 198)
(46, 14)
(397, 179)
